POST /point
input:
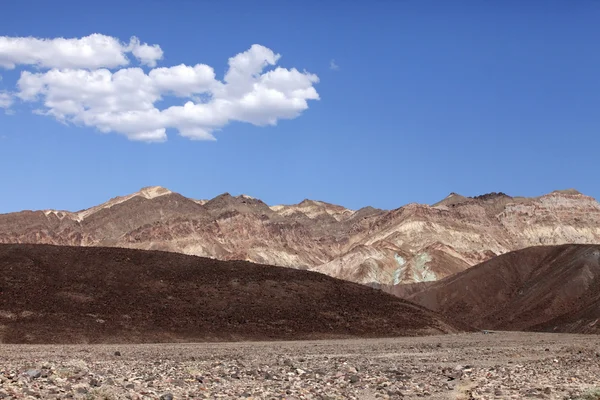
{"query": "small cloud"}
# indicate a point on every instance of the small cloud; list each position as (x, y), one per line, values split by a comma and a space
(145, 53)
(93, 51)
(333, 66)
(6, 100)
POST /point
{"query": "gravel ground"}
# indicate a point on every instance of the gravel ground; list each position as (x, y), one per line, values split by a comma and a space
(466, 366)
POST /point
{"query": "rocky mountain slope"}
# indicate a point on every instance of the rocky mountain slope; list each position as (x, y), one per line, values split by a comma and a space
(64, 294)
(414, 243)
(543, 288)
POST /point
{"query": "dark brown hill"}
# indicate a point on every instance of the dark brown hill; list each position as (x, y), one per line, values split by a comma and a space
(60, 294)
(544, 288)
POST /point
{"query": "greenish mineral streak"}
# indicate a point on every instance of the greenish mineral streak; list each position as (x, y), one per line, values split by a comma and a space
(421, 271)
(399, 272)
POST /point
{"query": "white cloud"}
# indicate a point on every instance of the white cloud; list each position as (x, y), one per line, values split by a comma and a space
(93, 51)
(6, 100)
(245, 67)
(124, 101)
(147, 54)
(183, 80)
(333, 66)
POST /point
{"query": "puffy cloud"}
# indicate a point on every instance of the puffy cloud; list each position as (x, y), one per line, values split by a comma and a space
(93, 51)
(147, 54)
(280, 93)
(244, 68)
(6, 100)
(71, 91)
(183, 80)
(124, 101)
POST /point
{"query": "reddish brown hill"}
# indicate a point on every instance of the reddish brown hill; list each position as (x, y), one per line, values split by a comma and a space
(548, 288)
(56, 294)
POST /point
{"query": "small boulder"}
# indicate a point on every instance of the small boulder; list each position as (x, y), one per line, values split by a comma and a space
(34, 373)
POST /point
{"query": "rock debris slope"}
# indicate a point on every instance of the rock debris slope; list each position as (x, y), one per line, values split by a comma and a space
(414, 243)
(543, 288)
(63, 294)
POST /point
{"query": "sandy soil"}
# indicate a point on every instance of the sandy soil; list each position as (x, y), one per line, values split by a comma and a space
(465, 366)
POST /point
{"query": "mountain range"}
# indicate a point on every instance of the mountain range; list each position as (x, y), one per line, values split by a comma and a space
(413, 243)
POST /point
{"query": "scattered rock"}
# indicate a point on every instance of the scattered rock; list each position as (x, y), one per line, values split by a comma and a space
(388, 370)
(81, 389)
(34, 373)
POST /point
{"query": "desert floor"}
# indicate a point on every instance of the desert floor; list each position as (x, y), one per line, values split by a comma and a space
(499, 365)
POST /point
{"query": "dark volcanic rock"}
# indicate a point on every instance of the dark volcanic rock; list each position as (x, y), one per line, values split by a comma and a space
(60, 294)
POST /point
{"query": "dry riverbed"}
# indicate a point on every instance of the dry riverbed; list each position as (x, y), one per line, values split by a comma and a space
(466, 366)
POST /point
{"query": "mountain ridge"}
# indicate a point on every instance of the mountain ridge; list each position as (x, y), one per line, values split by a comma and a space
(412, 243)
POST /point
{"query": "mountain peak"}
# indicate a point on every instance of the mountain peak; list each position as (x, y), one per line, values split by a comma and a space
(309, 202)
(235, 199)
(491, 196)
(242, 203)
(151, 192)
(148, 192)
(451, 199)
(568, 192)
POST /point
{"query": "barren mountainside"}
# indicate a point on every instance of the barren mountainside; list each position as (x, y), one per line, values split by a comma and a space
(414, 243)
(543, 288)
(64, 294)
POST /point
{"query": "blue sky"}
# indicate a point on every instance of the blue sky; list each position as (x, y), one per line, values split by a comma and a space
(430, 97)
